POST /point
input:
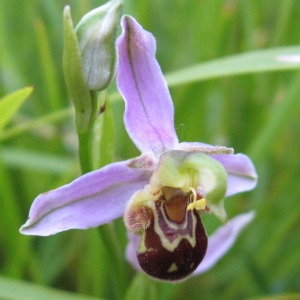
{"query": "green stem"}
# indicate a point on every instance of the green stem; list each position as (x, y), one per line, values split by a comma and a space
(141, 287)
(116, 259)
(85, 150)
(86, 139)
(107, 232)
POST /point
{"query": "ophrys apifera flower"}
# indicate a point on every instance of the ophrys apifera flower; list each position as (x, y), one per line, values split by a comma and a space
(163, 192)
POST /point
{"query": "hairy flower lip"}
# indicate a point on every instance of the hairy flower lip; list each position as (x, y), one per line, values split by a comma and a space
(219, 243)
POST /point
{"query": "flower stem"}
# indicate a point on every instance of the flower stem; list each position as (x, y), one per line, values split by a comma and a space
(85, 148)
(141, 287)
(86, 139)
(116, 259)
(107, 232)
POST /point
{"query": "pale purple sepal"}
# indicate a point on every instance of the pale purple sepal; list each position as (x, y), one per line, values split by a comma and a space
(222, 240)
(149, 111)
(131, 248)
(218, 244)
(93, 199)
(241, 172)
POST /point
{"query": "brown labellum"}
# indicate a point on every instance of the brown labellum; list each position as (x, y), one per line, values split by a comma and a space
(175, 242)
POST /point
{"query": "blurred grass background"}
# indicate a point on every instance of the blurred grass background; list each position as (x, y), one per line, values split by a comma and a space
(257, 114)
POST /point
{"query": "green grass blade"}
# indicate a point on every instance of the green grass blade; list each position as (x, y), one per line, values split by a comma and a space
(10, 104)
(47, 64)
(251, 62)
(36, 123)
(33, 160)
(277, 121)
(142, 288)
(21, 290)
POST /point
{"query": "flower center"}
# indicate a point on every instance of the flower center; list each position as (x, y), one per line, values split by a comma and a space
(176, 202)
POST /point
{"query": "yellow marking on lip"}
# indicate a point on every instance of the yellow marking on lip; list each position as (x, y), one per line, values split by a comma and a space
(199, 204)
(172, 268)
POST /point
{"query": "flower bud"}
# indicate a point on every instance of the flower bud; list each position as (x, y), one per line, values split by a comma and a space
(89, 58)
(76, 84)
(96, 34)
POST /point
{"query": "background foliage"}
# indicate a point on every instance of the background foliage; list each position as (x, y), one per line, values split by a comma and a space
(257, 114)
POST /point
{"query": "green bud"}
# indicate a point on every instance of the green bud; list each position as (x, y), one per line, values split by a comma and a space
(75, 81)
(89, 58)
(96, 34)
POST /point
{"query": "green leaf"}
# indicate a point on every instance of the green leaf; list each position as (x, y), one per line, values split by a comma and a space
(20, 290)
(33, 160)
(10, 104)
(49, 72)
(275, 122)
(251, 62)
(36, 123)
(142, 288)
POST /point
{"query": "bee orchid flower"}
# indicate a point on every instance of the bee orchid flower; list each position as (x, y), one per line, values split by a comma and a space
(163, 192)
